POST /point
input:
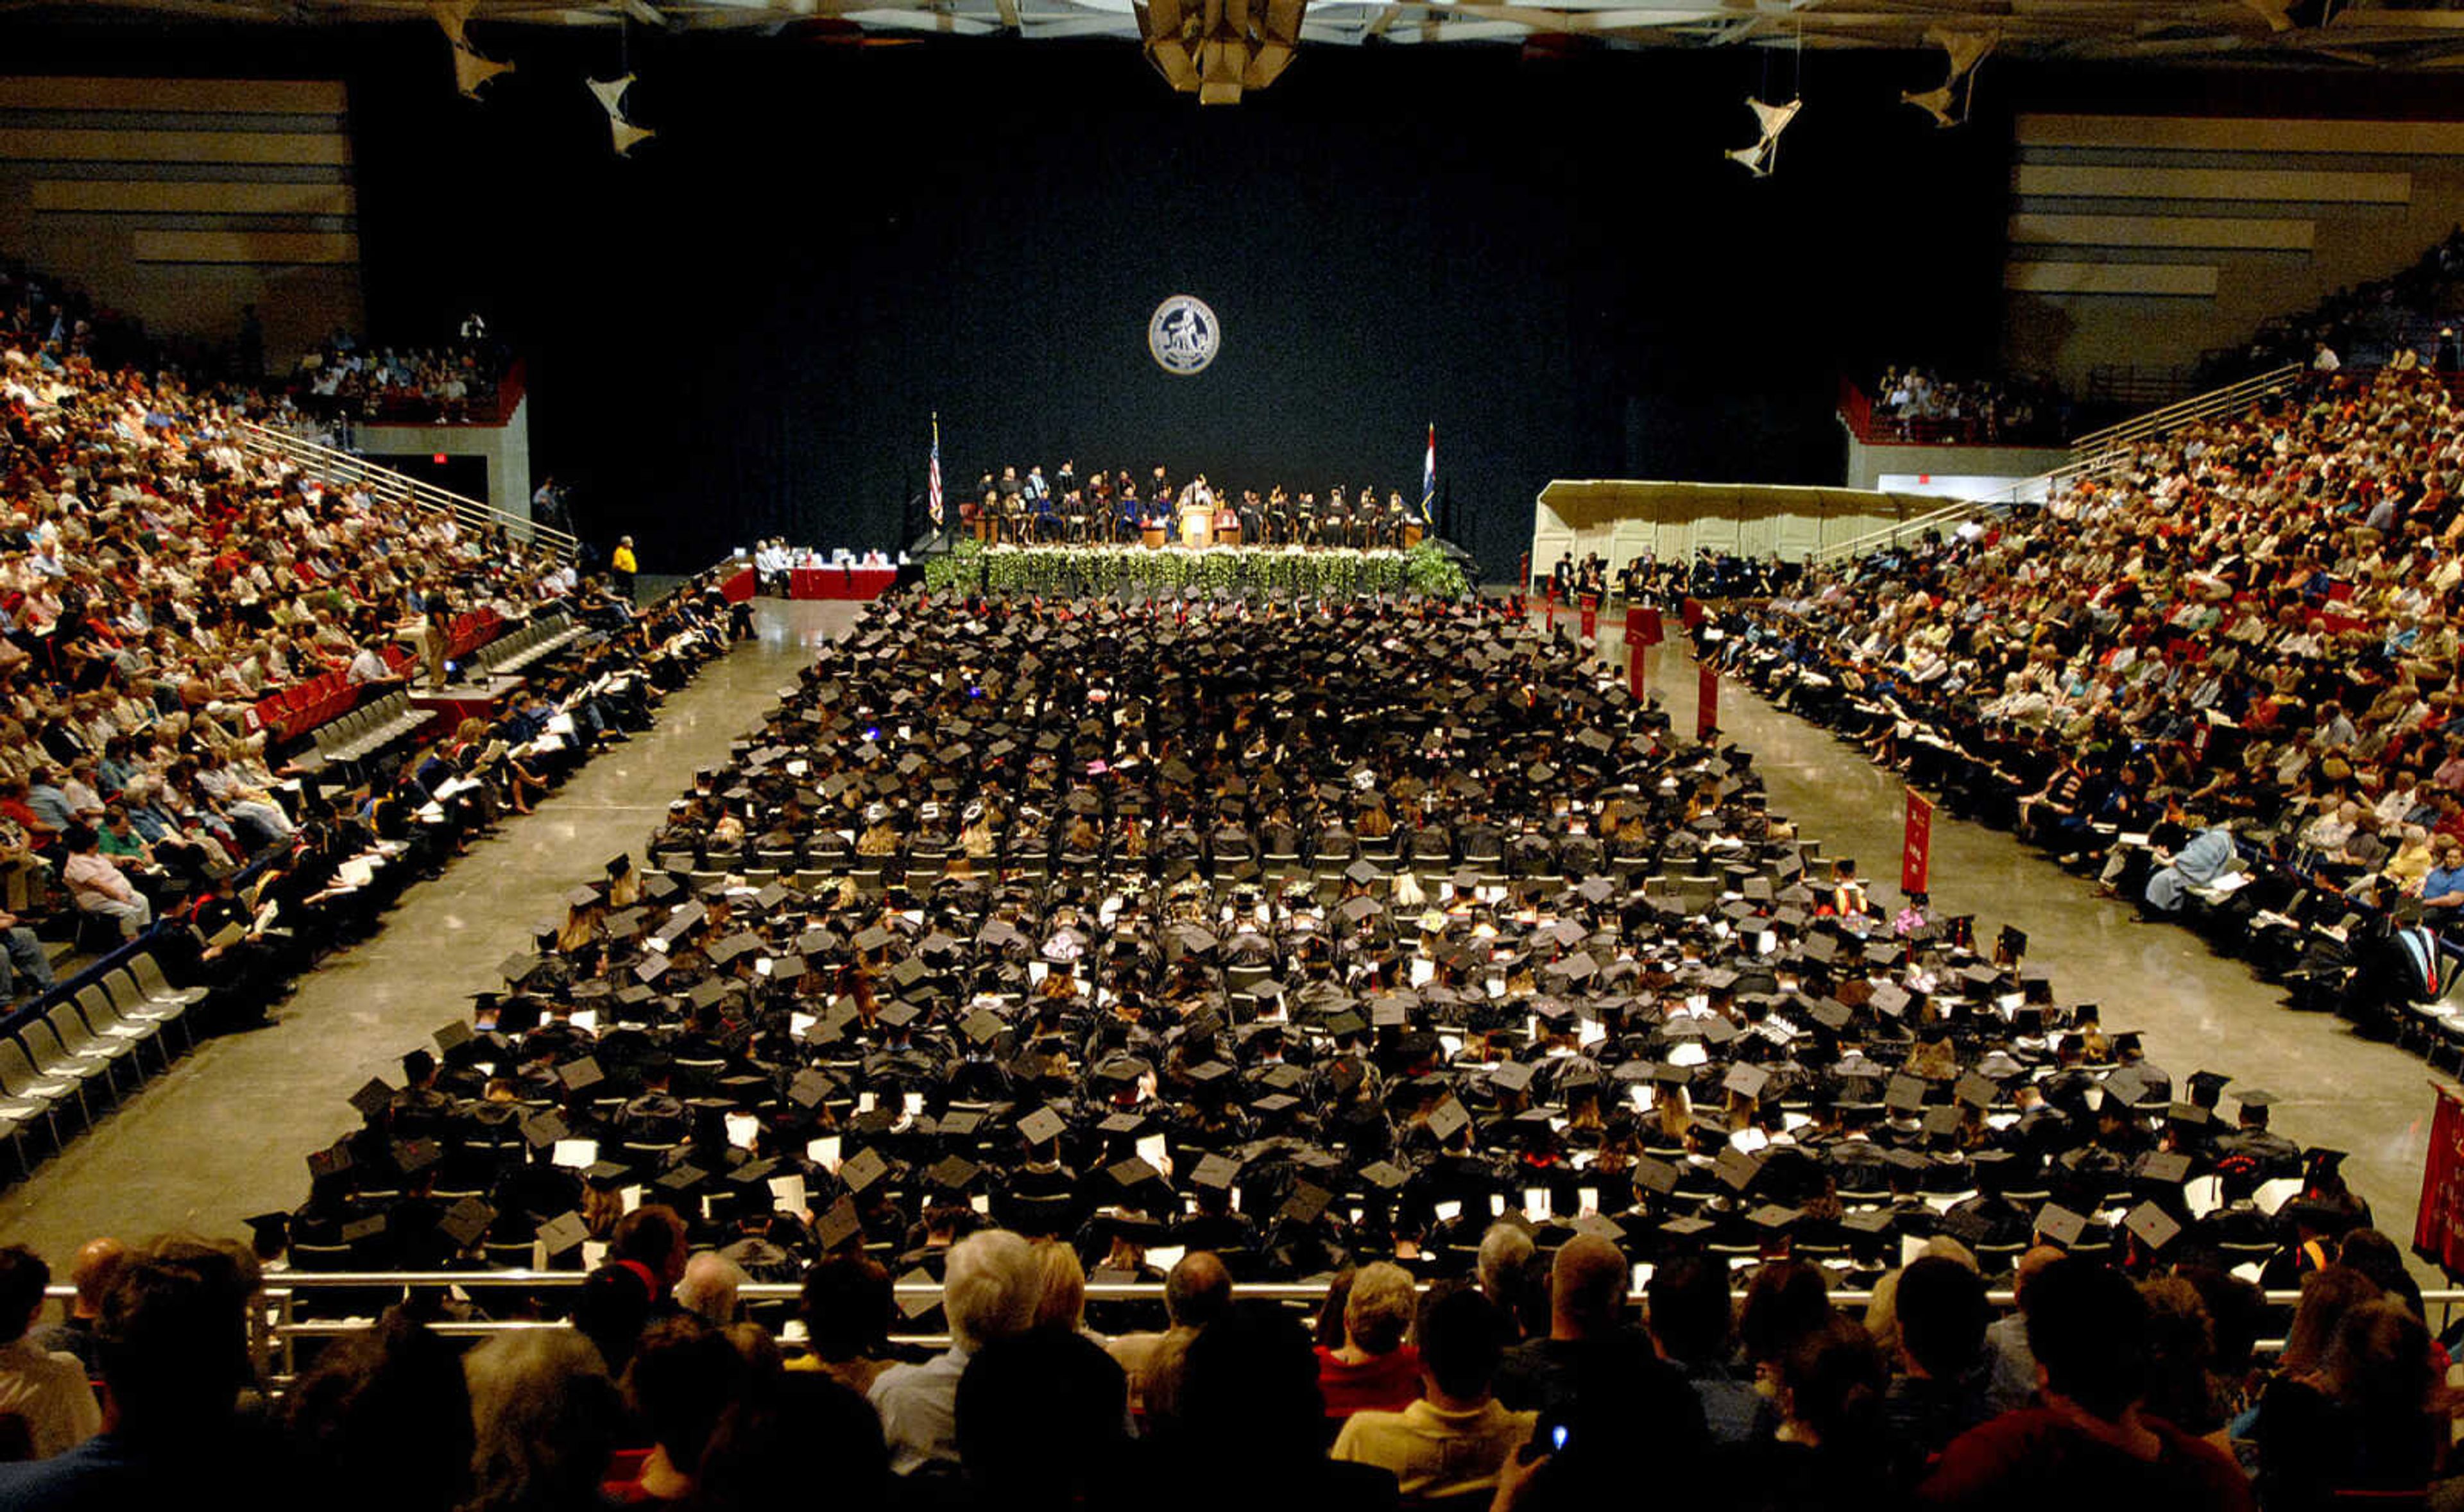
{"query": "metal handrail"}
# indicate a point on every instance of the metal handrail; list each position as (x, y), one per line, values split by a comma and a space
(274, 1329)
(1952, 513)
(2092, 455)
(2198, 406)
(327, 462)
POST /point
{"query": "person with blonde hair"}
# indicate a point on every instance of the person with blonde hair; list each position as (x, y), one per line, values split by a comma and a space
(1373, 1368)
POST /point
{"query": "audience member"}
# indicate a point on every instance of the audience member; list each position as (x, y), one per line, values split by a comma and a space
(381, 1421)
(1196, 1291)
(1451, 1441)
(97, 1261)
(172, 1338)
(684, 1375)
(544, 1422)
(1374, 1366)
(2087, 1441)
(47, 1394)
(1693, 1326)
(994, 1286)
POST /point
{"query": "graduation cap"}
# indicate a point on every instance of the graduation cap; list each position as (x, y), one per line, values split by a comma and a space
(410, 1157)
(372, 1099)
(1510, 1075)
(564, 1232)
(579, 1076)
(1976, 1091)
(2060, 1225)
(1773, 1220)
(1448, 1118)
(1305, 1202)
(1746, 1080)
(862, 1168)
(1903, 1094)
(837, 1224)
(331, 1161)
(954, 1173)
(544, 1130)
(1655, 1175)
(2166, 1169)
(453, 1036)
(1385, 1175)
(1043, 1125)
(1216, 1173)
(271, 1229)
(361, 1230)
(2206, 1088)
(2153, 1226)
(1735, 1169)
(466, 1221)
(1869, 1223)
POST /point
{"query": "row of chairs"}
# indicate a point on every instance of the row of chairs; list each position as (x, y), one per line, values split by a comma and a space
(90, 1047)
(543, 637)
(368, 730)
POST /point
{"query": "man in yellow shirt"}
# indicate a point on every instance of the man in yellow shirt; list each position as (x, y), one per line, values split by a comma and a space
(621, 566)
(1454, 1439)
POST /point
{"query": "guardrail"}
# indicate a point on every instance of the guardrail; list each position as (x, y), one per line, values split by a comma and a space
(2198, 406)
(276, 1330)
(327, 463)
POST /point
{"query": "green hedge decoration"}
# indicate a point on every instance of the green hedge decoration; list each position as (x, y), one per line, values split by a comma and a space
(1072, 572)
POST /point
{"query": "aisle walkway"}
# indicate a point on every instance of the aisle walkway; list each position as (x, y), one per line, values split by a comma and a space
(2197, 1010)
(227, 1132)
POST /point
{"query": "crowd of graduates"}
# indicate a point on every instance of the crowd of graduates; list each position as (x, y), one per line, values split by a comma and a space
(1526, 1033)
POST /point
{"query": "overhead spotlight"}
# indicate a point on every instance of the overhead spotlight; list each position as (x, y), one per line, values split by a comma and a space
(1948, 103)
(1217, 49)
(1773, 120)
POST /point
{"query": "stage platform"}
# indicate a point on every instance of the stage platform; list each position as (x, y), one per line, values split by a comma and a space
(1308, 572)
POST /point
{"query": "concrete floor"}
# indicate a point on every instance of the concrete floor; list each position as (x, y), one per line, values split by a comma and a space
(2197, 1011)
(226, 1132)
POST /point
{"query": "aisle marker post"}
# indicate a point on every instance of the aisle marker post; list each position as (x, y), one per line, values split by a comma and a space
(1916, 849)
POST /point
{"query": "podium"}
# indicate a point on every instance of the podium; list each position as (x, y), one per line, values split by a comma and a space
(1197, 525)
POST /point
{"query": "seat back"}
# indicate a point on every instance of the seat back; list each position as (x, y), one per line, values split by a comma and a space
(148, 972)
(17, 1073)
(74, 1035)
(43, 1045)
(95, 1005)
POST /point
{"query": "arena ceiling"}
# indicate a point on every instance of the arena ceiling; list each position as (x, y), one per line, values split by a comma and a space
(2364, 34)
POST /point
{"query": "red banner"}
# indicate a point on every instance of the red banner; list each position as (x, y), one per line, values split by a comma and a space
(1591, 618)
(1706, 701)
(1915, 852)
(1552, 608)
(1635, 673)
(2438, 1233)
(1652, 634)
(1692, 614)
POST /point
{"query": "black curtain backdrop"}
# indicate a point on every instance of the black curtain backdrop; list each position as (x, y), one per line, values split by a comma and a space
(744, 330)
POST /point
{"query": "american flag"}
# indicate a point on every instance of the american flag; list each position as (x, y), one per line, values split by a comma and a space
(932, 496)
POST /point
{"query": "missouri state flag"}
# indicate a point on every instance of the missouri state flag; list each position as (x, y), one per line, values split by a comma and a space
(1429, 476)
